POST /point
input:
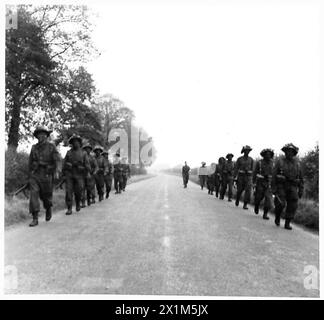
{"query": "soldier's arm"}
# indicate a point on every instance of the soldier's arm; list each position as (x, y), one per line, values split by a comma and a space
(31, 160)
(236, 167)
(274, 177)
(86, 162)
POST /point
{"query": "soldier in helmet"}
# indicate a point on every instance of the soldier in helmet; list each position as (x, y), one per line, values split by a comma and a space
(76, 166)
(118, 173)
(262, 176)
(126, 172)
(102, 170)
(218, 175)
(227, 175)
(202, 174)
(90, 182)
(243, 176)
(108, 172)
(43, 165)
(185, 174)
(211, 178)
(287, 184)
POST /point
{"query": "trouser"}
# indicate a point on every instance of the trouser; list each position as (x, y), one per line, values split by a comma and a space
(100, 183)
(89, 190)
(227, 181)
(217, 184)
(288, 198)
(74, 184)
(244, 184)
(118, 182)
(40, 187)
(210, 183)
(124, 181)
(108, 182)
(202, 180)
(185, 178)
(263, 191)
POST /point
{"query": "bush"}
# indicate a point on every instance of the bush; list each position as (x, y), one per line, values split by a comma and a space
(16, 170)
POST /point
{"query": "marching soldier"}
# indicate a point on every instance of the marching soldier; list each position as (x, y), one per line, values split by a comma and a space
(76, 166)
(185, 174)
(108, 173)
(211, 178)
(118, 174)
(243, 176)
(218, 175)
(126, 172)
(90, 182)
(102, 170)
(287, 185)
(43, 165)
(262, 177)
(202, 174)
(227, 174)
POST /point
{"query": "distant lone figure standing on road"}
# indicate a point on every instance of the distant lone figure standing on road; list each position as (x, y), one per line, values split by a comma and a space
(185, 174)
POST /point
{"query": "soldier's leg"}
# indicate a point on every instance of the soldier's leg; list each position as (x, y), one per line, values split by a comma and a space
(240, 188)
(100, 186)
(78, 191)
(247, 191)
(267, 202)
(280, 203)
(259, 194)
(124, 182)
(217, 186)
(223, 188)
(83, 193)
(34, 206)
(292, 205)
(46, 193)
(69, 194)
(230, 188)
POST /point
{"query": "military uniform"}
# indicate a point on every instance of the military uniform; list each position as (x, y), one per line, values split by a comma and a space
(227, 174)
(262, 176)
(287, 186)
(211, 179)
(218, 175)
(243, 174)
(90, 182)
(75, 166)
(108, 173)
(185, 175)
(102, 170)
(118, 175)
(43, 162)
(125, 175)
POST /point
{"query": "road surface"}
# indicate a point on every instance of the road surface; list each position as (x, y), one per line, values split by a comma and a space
(158, 238)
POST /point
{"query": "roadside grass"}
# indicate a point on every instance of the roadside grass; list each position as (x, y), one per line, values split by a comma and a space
(17, 208)
(307, 214)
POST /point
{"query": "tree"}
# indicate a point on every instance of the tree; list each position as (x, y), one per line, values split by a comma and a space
(37, 57)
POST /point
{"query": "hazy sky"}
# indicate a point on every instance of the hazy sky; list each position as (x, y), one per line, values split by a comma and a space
(206, 77)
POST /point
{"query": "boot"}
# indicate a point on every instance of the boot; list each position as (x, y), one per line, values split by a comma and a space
(107, 195)
(48, 215)
(245, 206)
(287, 224)
(256, 209)
(69, 211)
(89, 202)
(229, 200)
(216, 195)
(35, 220)
(93, 200)
(100, 197)
(77, 206)
(83, 204)
(237, 202)
(265, 214)
(277, 219)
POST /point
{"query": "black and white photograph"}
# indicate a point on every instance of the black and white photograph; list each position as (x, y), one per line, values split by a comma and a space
(161, 149)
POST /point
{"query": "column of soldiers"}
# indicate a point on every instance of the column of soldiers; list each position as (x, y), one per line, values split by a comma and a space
(282, 181)
(81, 172)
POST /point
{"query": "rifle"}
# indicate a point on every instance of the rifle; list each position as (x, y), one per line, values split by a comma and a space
(60, 184)
(22, 189)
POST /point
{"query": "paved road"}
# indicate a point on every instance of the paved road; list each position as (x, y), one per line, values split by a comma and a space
(158, 238)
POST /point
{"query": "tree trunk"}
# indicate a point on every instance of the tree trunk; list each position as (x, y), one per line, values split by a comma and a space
(13, 136)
